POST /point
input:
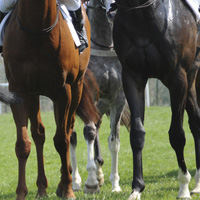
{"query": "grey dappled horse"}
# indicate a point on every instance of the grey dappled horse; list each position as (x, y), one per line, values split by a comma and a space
(7, 97)
(107, 70)
(158, 38)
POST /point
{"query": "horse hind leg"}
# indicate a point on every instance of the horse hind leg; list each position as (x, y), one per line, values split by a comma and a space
(178, 93)
(91, 184)
(114, 143)
(76, 178)
(193, 111)
(62, 140)
(38, 135)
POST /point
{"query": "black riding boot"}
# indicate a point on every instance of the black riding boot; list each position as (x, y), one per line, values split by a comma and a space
(77, 20)
(2, 15)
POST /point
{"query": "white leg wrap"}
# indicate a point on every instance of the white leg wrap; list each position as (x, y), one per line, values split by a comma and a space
(135, 196)
(76, 179)
(114, 146)
(184, 180)
(197, 180)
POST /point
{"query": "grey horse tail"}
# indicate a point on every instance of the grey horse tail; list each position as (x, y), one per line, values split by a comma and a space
(87, 109)
(8, 97)
(125, 118)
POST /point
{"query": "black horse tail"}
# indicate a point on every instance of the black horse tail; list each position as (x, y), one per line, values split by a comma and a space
(87, 110)
(125, 118)
(8, 97)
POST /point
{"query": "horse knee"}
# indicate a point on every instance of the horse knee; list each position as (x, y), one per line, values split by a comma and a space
(23, 148)
(38, 134)
(113, 143)
(90, 131)
(137, 135)
(177, 139)
(73, 139)
(61, 143)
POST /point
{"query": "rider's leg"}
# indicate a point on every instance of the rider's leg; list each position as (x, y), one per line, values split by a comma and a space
(77, 20)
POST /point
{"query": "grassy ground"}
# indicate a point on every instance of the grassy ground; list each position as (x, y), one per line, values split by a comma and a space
(159, 161)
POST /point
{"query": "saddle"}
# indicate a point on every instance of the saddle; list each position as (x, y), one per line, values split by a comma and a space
(65, 14)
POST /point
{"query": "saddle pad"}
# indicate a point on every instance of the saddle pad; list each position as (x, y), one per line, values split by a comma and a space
(65, 14)
(194, 5)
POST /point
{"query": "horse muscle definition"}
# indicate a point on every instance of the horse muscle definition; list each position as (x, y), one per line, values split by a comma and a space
(41, 58)
(158, 38)
(106, 68)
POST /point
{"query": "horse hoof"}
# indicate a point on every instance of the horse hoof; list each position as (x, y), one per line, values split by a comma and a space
(38, 196)
(135, 196)
(91, 189)
(21, 197)
(76, 187)
(117, 189)
(59, 192)
(101, 182)
(196, 190)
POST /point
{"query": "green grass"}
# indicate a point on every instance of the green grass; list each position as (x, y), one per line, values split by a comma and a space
(159, 161)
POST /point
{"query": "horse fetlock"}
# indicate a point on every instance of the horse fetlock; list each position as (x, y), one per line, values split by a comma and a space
(184, 179)
(21, 193)
(114, 179)
(90, 131)
(76, 182)
(99, 174)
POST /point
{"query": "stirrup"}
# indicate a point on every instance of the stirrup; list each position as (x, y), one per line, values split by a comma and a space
(83, 41)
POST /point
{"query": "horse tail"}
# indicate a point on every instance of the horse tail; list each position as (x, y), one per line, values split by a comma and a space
(8, 97)
(87, 110)
(125, 118)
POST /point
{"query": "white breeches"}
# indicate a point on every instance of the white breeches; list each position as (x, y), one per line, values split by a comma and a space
(71, 5)
(7, 5)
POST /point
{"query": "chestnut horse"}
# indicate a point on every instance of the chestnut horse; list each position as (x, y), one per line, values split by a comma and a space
(41, 59)
(158, 38)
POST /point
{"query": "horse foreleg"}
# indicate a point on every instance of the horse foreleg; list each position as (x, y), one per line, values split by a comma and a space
(62, 140)
(194, 122)
(76, 178)
(178, 90)
(114, 143)
(91, 184)
(134, 91)
(38, 134)
(22, 147)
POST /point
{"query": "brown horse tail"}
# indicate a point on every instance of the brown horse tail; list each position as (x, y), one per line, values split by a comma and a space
(8, 97)
(125, 118)
(87, 110)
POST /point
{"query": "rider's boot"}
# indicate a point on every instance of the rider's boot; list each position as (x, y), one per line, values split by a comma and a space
(77, 20)
(2, 15)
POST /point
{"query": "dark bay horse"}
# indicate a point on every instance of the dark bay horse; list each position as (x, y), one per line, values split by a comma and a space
(158, 38)
(107, 70)
(40, 58)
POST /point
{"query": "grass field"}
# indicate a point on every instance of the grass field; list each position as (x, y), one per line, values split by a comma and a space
(159, 161)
